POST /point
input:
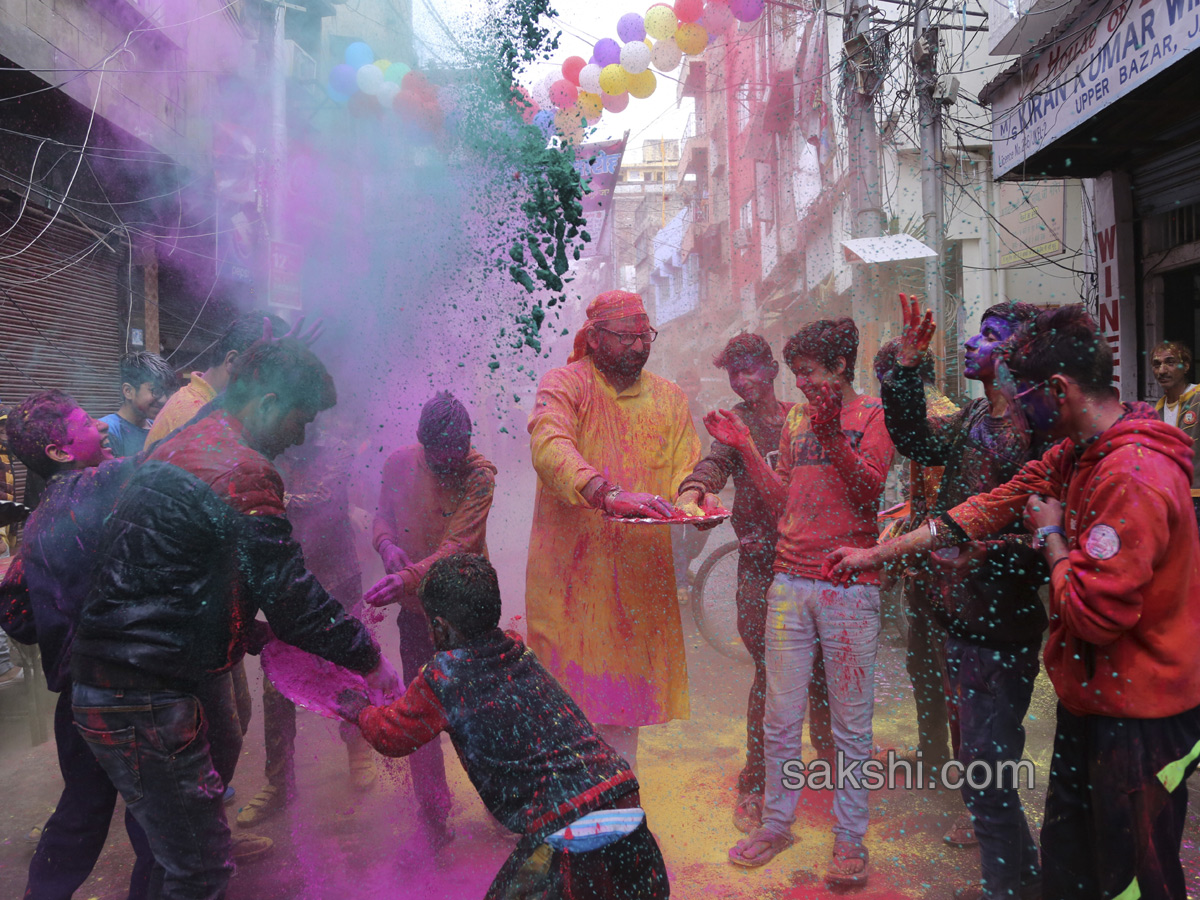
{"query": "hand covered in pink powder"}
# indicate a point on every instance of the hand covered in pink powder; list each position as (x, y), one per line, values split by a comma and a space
(391, 589)
(384, 682)
(394, 559)
(350, 704)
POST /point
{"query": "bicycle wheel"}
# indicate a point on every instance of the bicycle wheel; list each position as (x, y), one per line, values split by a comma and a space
(714, 602)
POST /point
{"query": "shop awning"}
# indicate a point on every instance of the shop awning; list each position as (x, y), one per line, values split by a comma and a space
(886, 248)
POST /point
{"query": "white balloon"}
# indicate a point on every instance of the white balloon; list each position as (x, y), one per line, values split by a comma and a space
(387, 93)
(635, 57)
(541, 90)
(666, 55)
(589, 78)
(370, 79)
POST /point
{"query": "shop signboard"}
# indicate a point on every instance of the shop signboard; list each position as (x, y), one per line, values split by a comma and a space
(1092, 65)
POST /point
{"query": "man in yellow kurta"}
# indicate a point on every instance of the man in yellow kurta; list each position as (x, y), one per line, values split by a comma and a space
(609, 439)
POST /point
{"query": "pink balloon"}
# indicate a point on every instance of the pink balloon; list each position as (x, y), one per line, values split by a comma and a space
(746, 10)
(571, 67)
(717, 16)
(563, 93)
(615, 104)
(689, 10)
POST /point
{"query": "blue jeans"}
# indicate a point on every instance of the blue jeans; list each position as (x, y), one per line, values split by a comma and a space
(989, 694)
(77, 829)
(170, 755)
(846, 620)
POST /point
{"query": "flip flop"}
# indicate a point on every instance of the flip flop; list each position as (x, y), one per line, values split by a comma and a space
(962, 832)
(844, 851)
(776, 844)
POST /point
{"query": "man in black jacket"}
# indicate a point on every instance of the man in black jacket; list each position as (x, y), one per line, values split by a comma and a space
(197, 545)
(986, 595)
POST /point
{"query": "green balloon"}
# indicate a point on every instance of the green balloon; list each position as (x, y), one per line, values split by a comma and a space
(396, 72)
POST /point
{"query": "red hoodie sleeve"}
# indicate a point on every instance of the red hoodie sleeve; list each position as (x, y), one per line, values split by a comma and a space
(986, 514)
(408, 724)
(1124, 531)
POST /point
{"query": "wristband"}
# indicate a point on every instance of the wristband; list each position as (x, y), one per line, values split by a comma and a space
(1039, 537)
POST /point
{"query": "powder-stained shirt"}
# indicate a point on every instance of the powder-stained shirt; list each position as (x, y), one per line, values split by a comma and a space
(124, 438)
(181, 407)
(600, 594)
(833, 484)
(430, 516)
(996, 602)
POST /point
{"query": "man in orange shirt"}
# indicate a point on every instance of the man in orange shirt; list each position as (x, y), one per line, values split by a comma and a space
(203, 387)
(434, 501)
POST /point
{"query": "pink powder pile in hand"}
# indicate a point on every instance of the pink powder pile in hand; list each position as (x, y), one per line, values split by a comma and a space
(314, 683)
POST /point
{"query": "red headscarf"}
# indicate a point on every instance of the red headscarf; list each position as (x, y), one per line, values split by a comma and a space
(605, 308)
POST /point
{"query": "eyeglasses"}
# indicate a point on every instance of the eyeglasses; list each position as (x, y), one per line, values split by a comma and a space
(1029, 390)
(627, 338)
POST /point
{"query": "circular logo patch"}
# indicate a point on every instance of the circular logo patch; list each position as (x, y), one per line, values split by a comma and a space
(1103, 542)
(1189, 418)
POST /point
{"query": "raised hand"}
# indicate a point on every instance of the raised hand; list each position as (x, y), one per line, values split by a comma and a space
(728, 428)
(918, 331)
(824, 404)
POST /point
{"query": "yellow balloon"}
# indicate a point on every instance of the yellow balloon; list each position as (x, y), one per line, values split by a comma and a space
(642, 84)
(649, 43)
(691, 38)
(660, 22)
(591, 105)
(382, 64)
(614, 80)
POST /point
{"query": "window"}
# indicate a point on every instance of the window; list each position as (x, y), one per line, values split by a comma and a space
(746, 219)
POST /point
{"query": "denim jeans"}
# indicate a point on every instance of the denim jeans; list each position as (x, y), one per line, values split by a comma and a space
(990, 692)
(846, 620)
(170, 755)
(77, 829)
(754, 580)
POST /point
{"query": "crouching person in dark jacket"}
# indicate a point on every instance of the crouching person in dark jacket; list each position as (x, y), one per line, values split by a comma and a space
(197, 545)
(537, 762)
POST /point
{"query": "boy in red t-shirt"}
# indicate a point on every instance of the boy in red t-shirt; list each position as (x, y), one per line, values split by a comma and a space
(834, 458)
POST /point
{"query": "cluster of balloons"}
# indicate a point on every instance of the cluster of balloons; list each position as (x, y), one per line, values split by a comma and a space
(620, 69)
(371, 87)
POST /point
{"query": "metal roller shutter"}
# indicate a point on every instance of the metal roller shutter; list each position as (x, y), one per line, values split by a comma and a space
(60, 312)
(1167, 182)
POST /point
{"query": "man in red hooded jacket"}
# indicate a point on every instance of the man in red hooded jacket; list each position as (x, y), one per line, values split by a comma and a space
(1111, 509)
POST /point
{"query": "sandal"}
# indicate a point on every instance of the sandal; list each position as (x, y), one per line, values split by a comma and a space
(962, 832)
(748, 814)
(844, 852)
(775, 844)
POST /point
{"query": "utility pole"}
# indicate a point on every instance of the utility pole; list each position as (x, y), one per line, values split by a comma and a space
(924, 55)
(862, 80)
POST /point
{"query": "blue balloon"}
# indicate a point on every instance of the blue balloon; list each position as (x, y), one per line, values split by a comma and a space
(358, 55)
(545, 121)
(337, 96)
